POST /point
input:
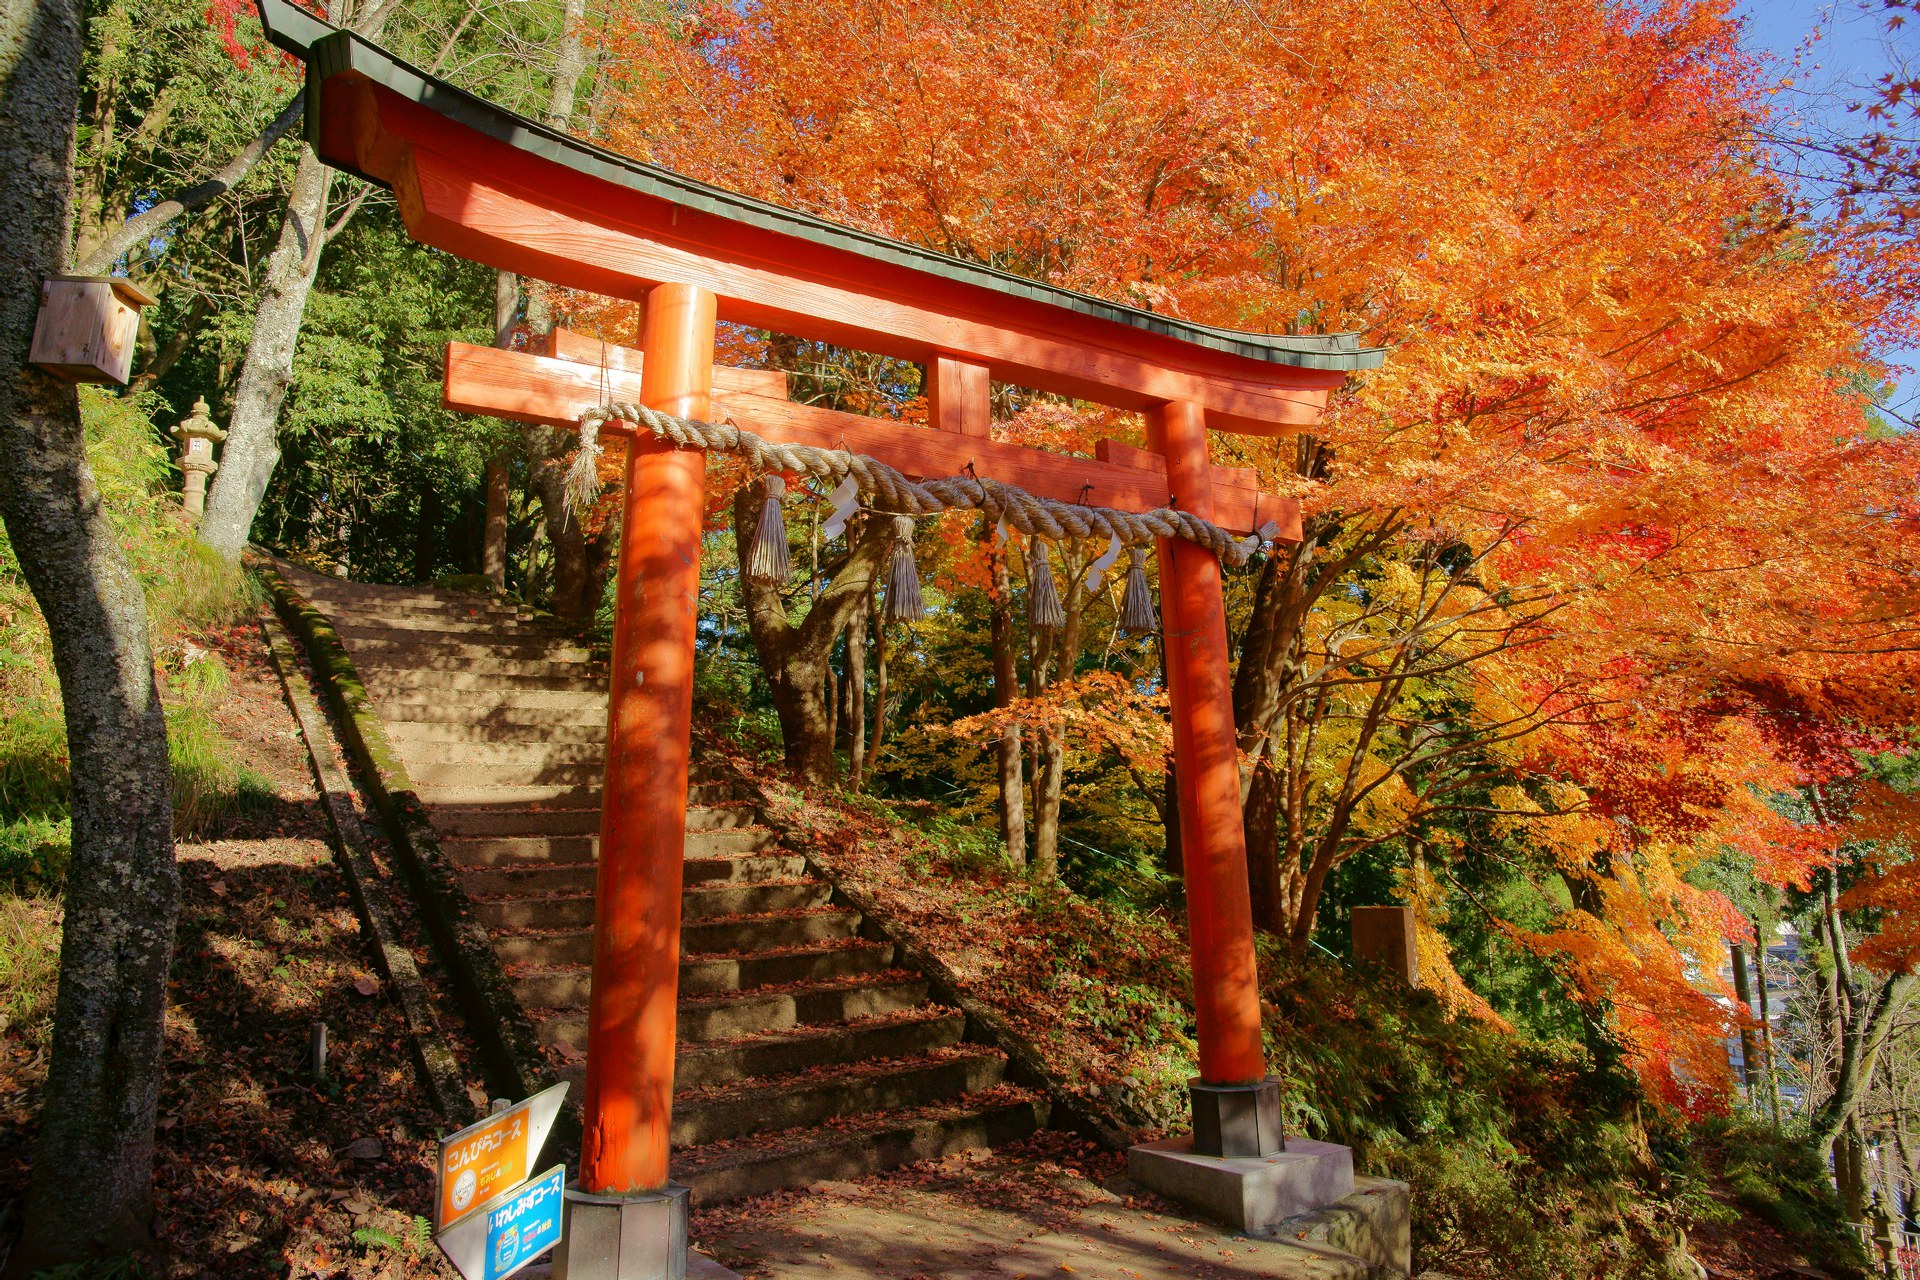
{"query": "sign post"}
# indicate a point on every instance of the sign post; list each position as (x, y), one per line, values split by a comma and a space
(499, 1236)
(495, 1155)
(491, 1220)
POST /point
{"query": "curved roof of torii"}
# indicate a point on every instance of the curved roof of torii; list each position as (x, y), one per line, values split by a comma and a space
(330, 52)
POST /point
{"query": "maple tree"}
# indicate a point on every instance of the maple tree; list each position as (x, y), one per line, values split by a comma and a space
(1624, 389)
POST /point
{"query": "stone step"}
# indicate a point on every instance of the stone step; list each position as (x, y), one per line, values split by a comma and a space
(354, 599)
(551, 911)
(377, 666)
(378, 660)
(520, 851)
(419, 733)
(394, 594)
(560, 796)
(736, 1014)
(782, 1053)
(444, 646)
(514, 851)
(758, 933)
(555, 796)
(472, 622)
(721, 1172)
(713, 902)
(521, 879)
(568, 987)
(559, 948)
(506, 755)
(721, 1017)
(708, 831)
(770, 1106)
(452, 706)
(704, 974)
(388, 680)
(443, 773)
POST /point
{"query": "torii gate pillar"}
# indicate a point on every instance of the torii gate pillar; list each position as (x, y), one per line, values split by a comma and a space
(1236, 1110)
(625, 1219)
(1237, 1167)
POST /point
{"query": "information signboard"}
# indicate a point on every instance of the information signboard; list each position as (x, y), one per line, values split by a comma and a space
(495, 1155)
(499, 1236)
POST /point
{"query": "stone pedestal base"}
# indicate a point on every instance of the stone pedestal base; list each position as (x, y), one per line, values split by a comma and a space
(1238, 1121)
(638, 1237)
(1253, 1194)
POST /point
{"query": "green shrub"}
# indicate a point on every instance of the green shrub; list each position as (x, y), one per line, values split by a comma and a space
(1779, 1177)
(189, 591)
(33, 853)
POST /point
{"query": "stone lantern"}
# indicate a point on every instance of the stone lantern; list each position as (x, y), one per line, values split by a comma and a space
(197, 436)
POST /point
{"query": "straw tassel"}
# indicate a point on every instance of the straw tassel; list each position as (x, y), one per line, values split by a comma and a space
(1043, 602)
(1136, 607)
(768, 561)
(903, 576)
(583, 477)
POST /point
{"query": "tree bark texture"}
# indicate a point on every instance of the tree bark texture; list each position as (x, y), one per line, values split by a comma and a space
(1006, 687)
(877, 624)
(252, 448)
(581, 562)
(796, 658)
(856, 683)
(1054, 661)
(493, 546)
(93, 1171)
(1749, 1047)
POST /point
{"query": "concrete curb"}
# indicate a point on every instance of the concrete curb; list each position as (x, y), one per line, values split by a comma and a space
(433, 1056)
(1026, 1065)
(514, 1063)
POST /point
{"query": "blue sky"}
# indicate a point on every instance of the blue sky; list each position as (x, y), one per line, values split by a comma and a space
(1833, 51)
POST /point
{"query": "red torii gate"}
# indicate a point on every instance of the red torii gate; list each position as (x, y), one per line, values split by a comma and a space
(497, 188)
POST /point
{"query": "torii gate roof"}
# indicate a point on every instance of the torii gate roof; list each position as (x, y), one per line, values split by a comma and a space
(500, 188)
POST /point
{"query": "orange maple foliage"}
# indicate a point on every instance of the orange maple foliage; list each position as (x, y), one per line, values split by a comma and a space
(1610, 331)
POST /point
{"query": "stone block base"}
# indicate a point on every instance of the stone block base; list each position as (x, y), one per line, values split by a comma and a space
(639, 1237)
(1239, 1121)
(1253, 1195)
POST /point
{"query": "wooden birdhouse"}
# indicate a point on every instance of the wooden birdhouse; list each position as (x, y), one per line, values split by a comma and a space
(87, 327)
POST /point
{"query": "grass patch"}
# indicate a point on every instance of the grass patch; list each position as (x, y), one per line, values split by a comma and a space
(190, 591)
(29, 967)
(211, 791)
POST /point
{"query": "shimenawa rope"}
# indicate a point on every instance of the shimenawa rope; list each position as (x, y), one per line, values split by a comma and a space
(1030, 514)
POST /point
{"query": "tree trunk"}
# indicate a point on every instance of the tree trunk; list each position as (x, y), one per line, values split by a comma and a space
(493, 544)
(91, 1193)
(1054, 662)
(580, 562)
(857, 699)
(1264, 879)
(795, 659)
(252, 449)
(879, 734)
(1006, 685)
(1749, 1050)
(1863, 1035)
(1766, 1023)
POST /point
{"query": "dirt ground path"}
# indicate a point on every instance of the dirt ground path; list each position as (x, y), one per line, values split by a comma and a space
(1053, 1206)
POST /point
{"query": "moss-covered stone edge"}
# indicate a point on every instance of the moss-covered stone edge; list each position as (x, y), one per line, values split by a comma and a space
(510, 1047)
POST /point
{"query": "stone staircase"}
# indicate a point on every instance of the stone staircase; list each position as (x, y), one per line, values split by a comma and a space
(806, 1051)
